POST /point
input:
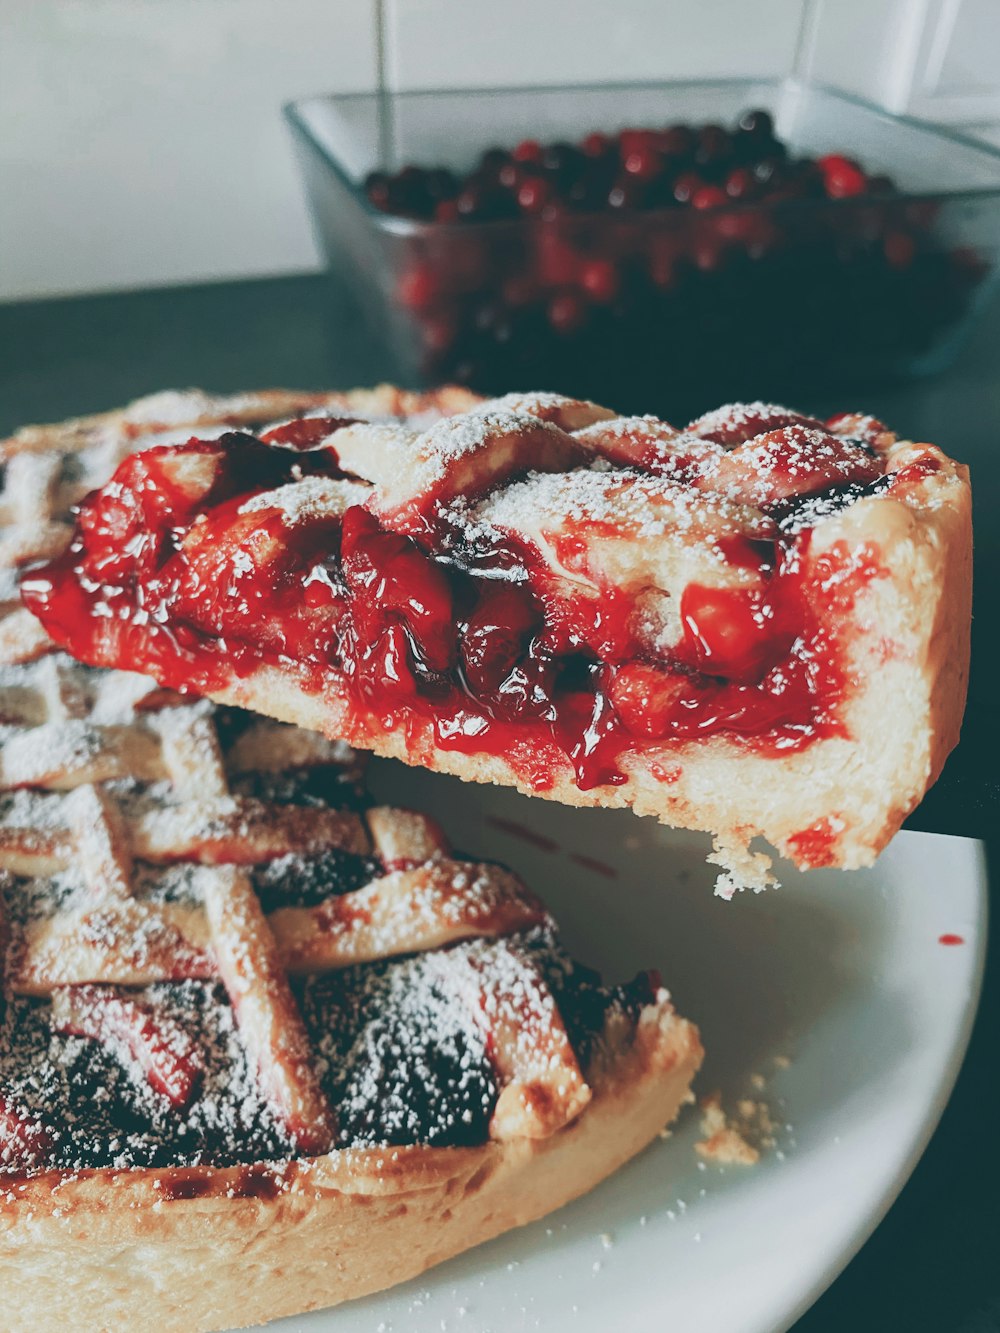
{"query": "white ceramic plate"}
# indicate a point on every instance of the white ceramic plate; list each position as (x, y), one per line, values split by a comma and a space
(843, 975)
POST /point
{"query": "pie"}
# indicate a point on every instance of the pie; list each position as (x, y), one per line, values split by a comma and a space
(756, 625)
(265, 1047)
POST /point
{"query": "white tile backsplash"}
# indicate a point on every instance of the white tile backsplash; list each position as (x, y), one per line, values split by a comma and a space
(142, 140)
(935, 59)
(484, 43)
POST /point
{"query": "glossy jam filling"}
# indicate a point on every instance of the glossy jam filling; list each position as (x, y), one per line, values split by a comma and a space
(403, 1061)
(467, 648)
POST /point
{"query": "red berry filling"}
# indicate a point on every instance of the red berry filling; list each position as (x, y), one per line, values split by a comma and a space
(165, 1054)
(476, 643)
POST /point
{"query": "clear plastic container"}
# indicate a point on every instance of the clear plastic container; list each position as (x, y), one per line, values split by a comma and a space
(771, 299)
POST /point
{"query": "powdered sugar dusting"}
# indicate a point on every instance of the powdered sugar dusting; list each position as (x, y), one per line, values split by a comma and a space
(310, 499)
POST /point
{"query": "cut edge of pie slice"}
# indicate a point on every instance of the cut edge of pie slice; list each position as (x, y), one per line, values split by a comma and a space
(757, 626)
(229, 990)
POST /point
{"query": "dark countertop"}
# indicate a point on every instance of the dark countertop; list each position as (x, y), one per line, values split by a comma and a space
(933, 1263)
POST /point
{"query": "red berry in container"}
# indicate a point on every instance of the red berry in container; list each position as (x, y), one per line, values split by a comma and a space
(714, 146)
(842, 178)
(533, 194)
(676, 141)
(709, 196)
(756, 125)
(471, 202)
(740, 184)
(626, 193)
(567, 312)
(379, 190)
(643, 162)
(492, 160)
(520, 289)
(528, 150)
(446, 211)
(665, 252)
(557, 262)
(596, 145)
(417, 287)
(686, 186)
(563, 161)
(709, 252)
(437, 332)
(899, 248)
(599, 279)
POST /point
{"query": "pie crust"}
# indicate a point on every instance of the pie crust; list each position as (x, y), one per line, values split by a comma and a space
(146, 843)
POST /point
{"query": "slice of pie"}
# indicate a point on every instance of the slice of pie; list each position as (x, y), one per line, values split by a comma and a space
(264, 1047)
(757, 625)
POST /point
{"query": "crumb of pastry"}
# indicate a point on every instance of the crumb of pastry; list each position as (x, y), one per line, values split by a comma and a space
(737, 1139)
(723, 1143)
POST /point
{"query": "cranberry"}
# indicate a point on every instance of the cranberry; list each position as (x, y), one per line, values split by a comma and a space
(709, 252)
(677, 141)
(409, 191)
(562, 160)
(714, 146)
(441, 184)
(590, 189)
(626, 193)
(709, 196)
(533, 194)
(447, 211)
(494, 320)
(599, 279)
(558, 262)
(492, 160)
(686, 186)
(472, 202)
(769, 171)
(756, 124)
(740, 183)
(567, 312)
(808, 176)
(437, 332)
(418, 287)
(643, 162)
(521, 289)
(379, 190)
(841, 176)
(528, 150)
(899, 249)
(596, 145)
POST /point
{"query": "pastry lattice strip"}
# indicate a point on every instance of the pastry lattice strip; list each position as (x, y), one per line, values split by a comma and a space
(81, 818)
(86, 733)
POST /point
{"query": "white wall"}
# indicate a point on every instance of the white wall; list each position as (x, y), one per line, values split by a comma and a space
(141, 140)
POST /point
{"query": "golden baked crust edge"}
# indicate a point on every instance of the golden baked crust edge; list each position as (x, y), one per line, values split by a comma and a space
(110, 1250)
